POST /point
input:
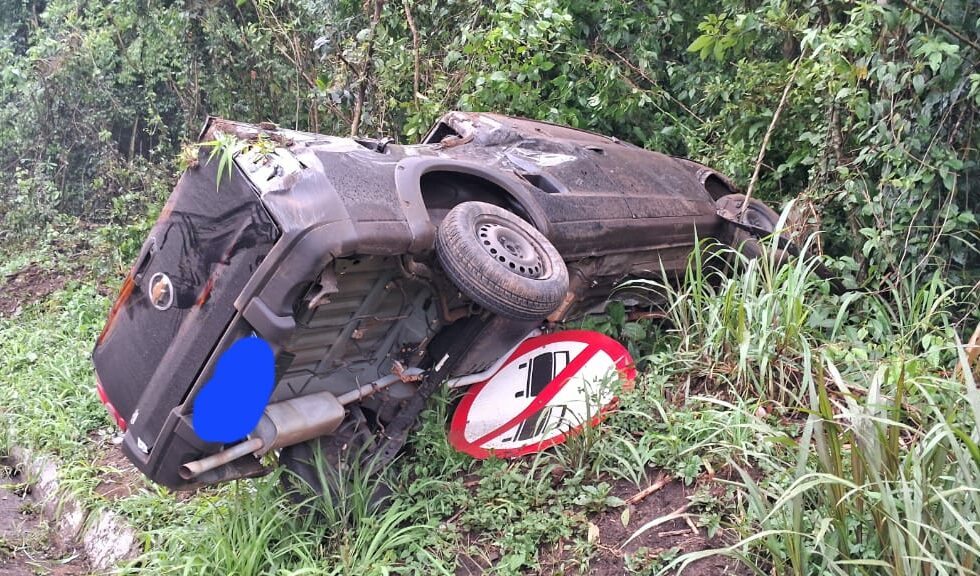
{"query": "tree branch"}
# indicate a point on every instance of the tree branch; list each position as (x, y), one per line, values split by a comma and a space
(362, 81)
(769, 131)
(651, 81)
(415, 51)
(952, 31)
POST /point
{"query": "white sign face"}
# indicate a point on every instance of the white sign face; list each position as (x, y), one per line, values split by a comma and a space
(549, 388)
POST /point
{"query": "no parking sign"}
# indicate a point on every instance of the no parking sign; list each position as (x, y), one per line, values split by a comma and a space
(547, 390)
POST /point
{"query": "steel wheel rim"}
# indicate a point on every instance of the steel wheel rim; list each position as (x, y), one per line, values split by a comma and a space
(511, 247)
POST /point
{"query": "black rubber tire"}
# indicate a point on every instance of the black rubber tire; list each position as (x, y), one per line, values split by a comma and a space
(757, 214)
(525, 280)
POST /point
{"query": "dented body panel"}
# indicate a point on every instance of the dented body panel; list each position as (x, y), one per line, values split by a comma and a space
(323, 246)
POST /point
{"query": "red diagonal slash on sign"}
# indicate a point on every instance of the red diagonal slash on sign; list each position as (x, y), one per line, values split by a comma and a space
(595, 343)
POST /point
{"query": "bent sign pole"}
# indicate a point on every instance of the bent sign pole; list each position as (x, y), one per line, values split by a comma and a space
(549, 388)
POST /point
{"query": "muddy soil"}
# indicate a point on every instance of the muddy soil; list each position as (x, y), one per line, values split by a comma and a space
(654, 548)
(644, 555)
(27, 285)
(26, 547)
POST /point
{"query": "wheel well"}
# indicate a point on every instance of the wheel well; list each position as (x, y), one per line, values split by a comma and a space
(717, 187)
(442, 190)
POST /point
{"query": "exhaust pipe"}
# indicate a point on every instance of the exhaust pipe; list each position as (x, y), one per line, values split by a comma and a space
(293, 421)
(198, 467)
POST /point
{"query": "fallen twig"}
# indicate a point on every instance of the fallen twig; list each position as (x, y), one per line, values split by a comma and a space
(691, 525)
(675, 515)
(660, 483)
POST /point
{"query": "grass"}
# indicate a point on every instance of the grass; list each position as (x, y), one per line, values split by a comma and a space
(842, 440)
(875, 489)
(48, 399)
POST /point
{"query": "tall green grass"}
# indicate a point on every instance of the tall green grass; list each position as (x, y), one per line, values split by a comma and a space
(262, 529)
(879, 486)
(47, 397)
(882, 473)
(745, 325)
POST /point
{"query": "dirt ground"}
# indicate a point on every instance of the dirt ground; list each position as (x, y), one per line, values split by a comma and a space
(27, 285)
(120, 478)
(26, 547)
(654, 548)
(646, 554)
(26, 543)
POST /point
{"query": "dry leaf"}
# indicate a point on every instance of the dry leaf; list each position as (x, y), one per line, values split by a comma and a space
(593, 533)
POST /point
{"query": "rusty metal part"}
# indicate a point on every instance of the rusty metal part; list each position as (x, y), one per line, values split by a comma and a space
(198, 467)
(576, 286)
(299, 419)
(451, 141)
(449, 316)
(442, 288)
(406, 375)
(411, 267)
(379, 384)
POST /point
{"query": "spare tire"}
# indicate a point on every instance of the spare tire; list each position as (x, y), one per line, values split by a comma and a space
(501, 262)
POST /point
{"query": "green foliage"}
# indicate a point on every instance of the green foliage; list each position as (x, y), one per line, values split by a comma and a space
(878, 138)
(224, 146)
(44, 361)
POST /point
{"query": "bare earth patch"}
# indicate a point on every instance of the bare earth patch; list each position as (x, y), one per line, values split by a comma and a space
(26, 547)
(119, 478)
(660, 543)
(27, 285)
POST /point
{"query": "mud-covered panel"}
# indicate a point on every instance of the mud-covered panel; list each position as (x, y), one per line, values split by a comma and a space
(657, 186)
(566, 162)
(587, 238)
(601, 237)
(575, 208)
(179, 297)
(365, 184)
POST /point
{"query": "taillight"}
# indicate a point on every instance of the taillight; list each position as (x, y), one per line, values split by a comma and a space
(112, 409)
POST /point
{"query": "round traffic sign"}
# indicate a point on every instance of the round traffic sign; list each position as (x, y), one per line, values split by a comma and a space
(549, 388)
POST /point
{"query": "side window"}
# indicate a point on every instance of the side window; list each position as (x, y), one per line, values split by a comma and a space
(542, 369)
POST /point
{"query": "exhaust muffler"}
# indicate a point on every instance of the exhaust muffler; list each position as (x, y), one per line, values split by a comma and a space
(293, 421)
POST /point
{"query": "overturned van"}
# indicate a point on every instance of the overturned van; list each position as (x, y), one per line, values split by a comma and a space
(377, 271)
